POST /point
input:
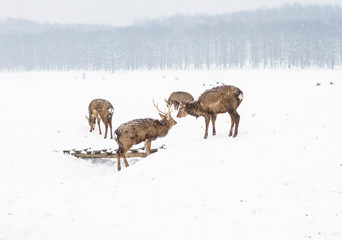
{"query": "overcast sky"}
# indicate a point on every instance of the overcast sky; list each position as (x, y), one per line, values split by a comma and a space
(124, 12)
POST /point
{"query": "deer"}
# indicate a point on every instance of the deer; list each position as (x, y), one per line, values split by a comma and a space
(100, 109)
(176, 98)
(139, 130)
(217, 100)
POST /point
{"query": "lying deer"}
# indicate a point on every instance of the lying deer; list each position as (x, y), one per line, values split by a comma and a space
(100, 109)
(214, 101)
(177, 98)
(139, 130)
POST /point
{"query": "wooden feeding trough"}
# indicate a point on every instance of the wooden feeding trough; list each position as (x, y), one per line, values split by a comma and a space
(108, 153)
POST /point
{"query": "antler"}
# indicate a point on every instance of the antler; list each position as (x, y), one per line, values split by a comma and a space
(168, 106)
(161, 112)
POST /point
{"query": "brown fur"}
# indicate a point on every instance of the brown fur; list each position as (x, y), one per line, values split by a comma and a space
(139, 130)
(101, 109)
(176, 98)
(214, 101)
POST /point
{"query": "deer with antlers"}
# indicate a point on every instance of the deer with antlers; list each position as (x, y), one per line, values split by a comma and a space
(214, 101)
(100, 109)
(139, 130)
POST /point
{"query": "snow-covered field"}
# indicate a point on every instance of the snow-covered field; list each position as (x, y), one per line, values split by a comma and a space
(281, 178)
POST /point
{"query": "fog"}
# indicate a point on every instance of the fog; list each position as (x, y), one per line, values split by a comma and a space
(289, 37)
(123, 13)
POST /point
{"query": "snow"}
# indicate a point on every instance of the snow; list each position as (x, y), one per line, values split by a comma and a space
(281, 178)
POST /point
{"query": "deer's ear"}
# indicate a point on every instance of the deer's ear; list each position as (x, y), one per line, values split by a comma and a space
(161, 115)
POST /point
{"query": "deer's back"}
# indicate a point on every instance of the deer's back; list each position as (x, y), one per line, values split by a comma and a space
(183, 97)
(219, 99)
(139, 130)
(100, 105)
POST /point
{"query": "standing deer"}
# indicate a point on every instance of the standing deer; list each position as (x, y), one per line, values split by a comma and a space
(139, 130)
(100, 109)
(176, 98)
(214, 101)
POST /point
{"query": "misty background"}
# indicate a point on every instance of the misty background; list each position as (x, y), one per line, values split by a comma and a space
(291, 36)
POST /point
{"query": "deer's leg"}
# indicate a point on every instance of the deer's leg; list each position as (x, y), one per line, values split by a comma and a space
(207, 120)
(232, 124)
(118, 156)
(106, 129)
(237, 120)
(110, 127)
(148, 147)
(213, 120)
(125, 160)
(121, 152)
(98, 123)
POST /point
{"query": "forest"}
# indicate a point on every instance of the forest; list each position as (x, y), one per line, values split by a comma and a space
(293, 36)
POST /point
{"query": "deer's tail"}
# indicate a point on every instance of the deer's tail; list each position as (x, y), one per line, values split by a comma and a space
(240, 96)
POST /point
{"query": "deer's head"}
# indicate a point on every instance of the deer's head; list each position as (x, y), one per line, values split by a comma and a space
(182, 111)
(91, 122)
(166, 116)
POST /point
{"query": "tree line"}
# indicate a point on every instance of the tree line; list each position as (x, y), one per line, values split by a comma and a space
(293, 36)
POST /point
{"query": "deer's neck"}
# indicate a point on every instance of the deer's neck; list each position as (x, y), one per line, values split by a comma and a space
(163, 127)
(192, 108)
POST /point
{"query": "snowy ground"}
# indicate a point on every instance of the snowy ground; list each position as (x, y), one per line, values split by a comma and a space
(281, 178)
